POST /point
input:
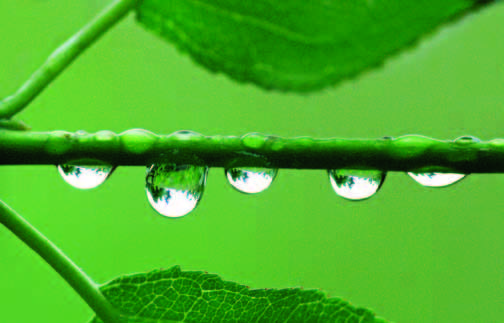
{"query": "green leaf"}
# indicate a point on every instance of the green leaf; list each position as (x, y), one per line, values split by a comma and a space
(298, 45)
(173, 295)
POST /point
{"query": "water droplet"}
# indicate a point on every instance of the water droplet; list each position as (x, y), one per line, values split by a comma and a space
(84, 177)
(467, 139)
(254, 140)
(175, 190)
(105, 136)
(356, 184)
(187, 133)
(252, 179)
(138, 141)
(436, 179)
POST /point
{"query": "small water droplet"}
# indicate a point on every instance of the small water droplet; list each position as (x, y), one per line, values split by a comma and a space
(84, 177)
(252, 179)
(175, 190)
(464, 140)
(138, 141)
(356, 184)
(186, 133)
(436, 179)
(254, 140)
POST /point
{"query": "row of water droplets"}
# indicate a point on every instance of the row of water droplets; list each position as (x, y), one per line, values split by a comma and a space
(175, 190)
(362, 184)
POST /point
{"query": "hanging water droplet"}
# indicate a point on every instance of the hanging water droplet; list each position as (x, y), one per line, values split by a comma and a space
(356, 184)
(252, 179)
(175, 190)
(436, 179)
(84, 177)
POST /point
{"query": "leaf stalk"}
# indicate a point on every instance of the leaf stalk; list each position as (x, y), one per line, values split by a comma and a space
(63, 56)
(60, 262)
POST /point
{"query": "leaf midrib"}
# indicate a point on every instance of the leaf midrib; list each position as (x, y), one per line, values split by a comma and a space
(270, 27)
(259, 67)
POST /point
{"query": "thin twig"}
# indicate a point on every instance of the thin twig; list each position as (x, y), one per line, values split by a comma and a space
(68, 270)
(62, 57)
(141, 147)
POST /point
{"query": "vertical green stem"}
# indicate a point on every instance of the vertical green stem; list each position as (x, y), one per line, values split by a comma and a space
(67, 269)
(64, 56)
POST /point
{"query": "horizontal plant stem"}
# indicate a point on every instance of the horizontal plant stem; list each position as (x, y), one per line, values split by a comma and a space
(141, 147)
(64, 56)
(79, 281)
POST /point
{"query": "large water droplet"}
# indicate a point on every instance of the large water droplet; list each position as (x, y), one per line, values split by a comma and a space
(84, 177)
(175, 190)
(356, 184)
(436, 179)
(252, 179)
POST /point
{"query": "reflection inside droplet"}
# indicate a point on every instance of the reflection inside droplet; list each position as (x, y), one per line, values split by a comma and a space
(252, 179)
(356, 184)
(175, 190)
(84, 177)
(436, 179)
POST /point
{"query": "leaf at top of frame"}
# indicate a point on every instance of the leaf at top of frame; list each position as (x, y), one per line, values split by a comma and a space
(297, 45)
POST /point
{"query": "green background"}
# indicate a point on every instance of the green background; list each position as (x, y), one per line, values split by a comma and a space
(412, 254)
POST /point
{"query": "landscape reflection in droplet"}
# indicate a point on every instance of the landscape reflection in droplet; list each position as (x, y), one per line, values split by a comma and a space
(436, 179)
(356, 184)
(251, 180)
(175, 190)
(84, 177)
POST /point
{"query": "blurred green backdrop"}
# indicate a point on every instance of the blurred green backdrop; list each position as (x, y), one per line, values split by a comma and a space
(412, 254)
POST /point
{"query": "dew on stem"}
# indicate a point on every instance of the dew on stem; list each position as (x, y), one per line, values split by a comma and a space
(251, 179)
(356, 184)
(175, 190)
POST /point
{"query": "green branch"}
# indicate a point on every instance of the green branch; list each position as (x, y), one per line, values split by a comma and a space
(79, 281)
(62, 57)
(141, 147)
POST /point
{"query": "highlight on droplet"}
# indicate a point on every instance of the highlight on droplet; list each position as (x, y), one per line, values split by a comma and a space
(175, 190)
